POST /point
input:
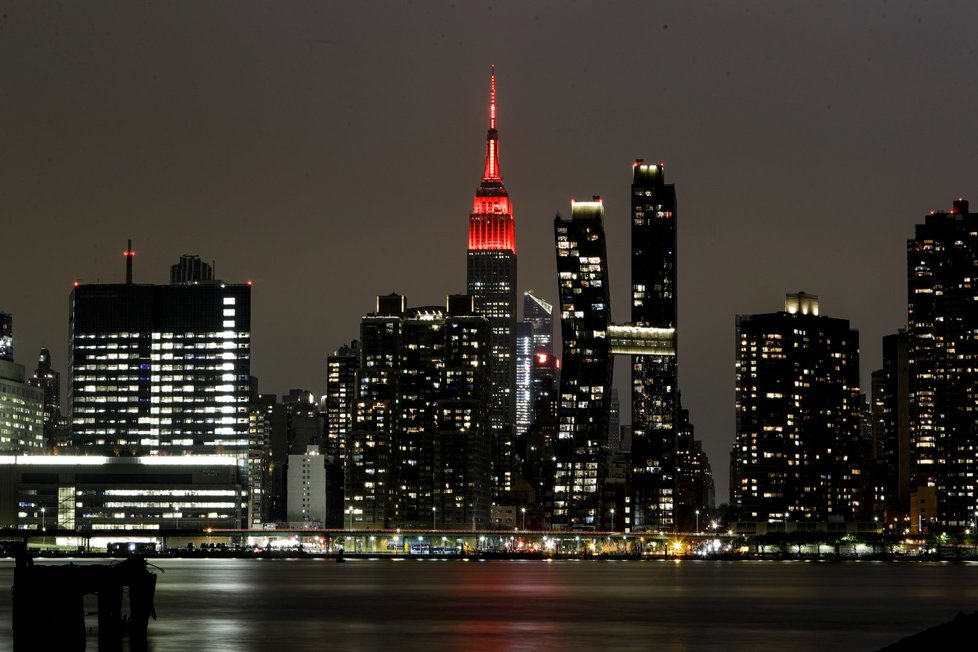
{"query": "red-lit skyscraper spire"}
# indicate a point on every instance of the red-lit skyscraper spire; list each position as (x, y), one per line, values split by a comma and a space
(492, 138)
(491, 225)
(491, 268)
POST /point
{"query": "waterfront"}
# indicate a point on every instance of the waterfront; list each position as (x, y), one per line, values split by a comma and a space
(245, 605)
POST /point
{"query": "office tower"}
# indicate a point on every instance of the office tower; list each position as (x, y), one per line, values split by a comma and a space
(161, 369)
(655, 382)
(942, 298)
(94, 496)
(6, 337)
(798, 442)
(587, 364)
(539, 314)
(191, 269)
(534, 336)
(419, 450)
(891, 431)
(21, 411)
(491, 274)
(49, 381)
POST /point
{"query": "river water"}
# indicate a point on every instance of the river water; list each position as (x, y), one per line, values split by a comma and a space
(282, 605)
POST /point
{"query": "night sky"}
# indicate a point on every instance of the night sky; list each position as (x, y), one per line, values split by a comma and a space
(329, 152)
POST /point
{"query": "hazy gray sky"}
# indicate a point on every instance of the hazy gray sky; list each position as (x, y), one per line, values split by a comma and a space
(329, 153)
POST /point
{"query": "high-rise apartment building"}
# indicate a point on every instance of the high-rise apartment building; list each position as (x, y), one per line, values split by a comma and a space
(161, 369)
(491, 274)
(942, 322)
(587, 364)
(419, 450)
(799, 448)
(21, 404)
(655, 378)
(890, 431)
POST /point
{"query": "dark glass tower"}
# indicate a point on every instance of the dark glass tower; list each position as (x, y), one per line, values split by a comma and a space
(942, 298)
(6, 337)
(891, 431)
(49, 381)
(586, 375)
(655, 382)
(491, 276)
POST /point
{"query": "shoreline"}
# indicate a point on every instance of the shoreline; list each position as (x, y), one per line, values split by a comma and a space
(339, 557)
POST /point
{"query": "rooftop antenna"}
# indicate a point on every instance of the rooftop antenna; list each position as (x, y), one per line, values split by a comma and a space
(129, 253)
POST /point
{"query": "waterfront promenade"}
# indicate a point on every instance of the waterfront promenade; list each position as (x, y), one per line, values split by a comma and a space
(486, 545)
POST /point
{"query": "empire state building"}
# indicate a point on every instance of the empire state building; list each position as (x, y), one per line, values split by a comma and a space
(491, 276)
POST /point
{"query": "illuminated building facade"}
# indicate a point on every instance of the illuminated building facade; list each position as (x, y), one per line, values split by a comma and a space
(655, 380)
(419, 449)
(306, 497)
(942, 322)
(21, 404)
(534, 337)
(491, 274)
(142, 495)
(586, 372)
(21, 411)
(161, 369)
(263, 465)
(799, 450)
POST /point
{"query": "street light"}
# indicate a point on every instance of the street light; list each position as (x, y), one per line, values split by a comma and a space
(612, 519)
(697, 521)
(523, 510)
(434, 516)
(43, 509)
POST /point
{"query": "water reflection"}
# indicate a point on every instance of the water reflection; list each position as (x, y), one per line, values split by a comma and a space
(244, 605)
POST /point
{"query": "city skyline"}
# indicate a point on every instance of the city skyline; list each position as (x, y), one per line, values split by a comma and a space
(805, 144)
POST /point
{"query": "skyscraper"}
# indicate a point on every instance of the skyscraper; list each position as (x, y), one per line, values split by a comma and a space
(49, 381)
(419, 449)
(534, 337)
(587, 365)
(161, 369)
(655, 381)
(798, 448)
(6, 336)
(890, 425)
(491, 273)
(21, 404)
(942, 320)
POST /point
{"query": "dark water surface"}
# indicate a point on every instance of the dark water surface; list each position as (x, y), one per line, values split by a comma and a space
(245, 605)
